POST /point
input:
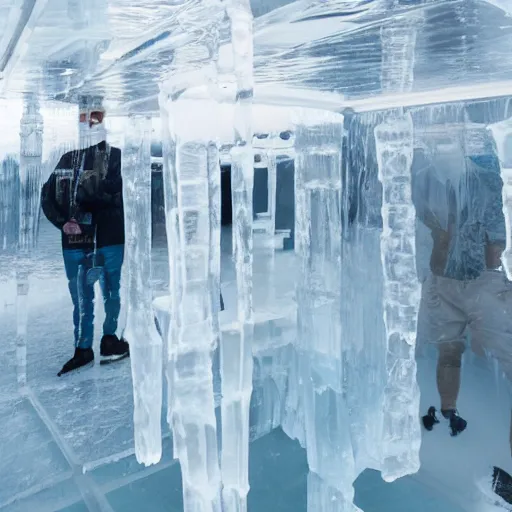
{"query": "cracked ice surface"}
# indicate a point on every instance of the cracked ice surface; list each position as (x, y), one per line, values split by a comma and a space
(30, 457)
(92, 411)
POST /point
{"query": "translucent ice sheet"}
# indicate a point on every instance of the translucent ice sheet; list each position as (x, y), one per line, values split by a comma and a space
(125, 49)
(30, 459)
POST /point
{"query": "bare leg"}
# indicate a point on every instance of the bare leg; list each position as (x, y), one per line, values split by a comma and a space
(448, 374)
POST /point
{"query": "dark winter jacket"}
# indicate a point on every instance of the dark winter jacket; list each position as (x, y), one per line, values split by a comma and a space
(59, 205)
(95, 193)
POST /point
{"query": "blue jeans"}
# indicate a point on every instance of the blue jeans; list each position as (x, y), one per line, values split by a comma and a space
(111, 259)
(82, 296)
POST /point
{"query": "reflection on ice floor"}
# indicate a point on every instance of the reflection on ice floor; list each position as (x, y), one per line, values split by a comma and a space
(68, 445)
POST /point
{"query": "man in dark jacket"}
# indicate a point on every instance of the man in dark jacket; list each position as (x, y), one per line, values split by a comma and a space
(83, 198)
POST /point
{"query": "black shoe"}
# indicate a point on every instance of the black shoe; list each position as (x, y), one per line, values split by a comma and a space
(113, 349)
(430, 419)
(457, 424)
(83, 358)
(502, 484)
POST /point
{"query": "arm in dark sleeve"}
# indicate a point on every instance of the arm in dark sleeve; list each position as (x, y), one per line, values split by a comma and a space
(49, 203)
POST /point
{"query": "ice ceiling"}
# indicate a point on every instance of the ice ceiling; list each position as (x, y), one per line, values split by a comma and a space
(122, 49)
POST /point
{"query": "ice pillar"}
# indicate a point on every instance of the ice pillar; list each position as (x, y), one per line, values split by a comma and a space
(236, 351)
(401, 429)
(173, 239)
(264, 236)
(394, 145)
(502, 133)
(193, 224)
(9, 205)
(140, 331)
(318, 247)
(31, 150)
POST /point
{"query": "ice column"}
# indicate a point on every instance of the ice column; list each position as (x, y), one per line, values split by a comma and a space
(264, 235)
(502, 133)
(394, 145)
(145, 343)
(31, 150)
(401, 429)
(269, 374)
(236, 351)
(9, 205)
(318, 246)
(173, 239)
(191, 197)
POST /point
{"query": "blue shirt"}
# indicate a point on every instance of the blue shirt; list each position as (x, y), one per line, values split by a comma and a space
(471, 205)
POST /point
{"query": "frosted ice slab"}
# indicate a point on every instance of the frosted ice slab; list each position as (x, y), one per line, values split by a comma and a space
(30, 460)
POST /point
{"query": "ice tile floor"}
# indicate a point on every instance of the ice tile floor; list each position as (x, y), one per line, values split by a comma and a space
(68, 445)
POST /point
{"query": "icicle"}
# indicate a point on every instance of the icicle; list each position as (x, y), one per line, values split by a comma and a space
(236, 348)
(402, 435)
(192, 197)
(145, 343)
(31, 151)
(264, 246)
(318, 225)
(395, 144)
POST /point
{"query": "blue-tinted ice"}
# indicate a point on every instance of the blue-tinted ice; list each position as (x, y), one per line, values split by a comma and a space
(286, 140)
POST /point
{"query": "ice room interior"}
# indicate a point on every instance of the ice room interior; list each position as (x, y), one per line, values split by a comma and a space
(245, 247)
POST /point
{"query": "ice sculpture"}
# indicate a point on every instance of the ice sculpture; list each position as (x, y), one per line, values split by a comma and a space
(331, 360)
(401, 436)
(145, 342)
(318, 246)
(236, 350)
(394, 146)
(193, 249)
(193, 220)
(31, 151)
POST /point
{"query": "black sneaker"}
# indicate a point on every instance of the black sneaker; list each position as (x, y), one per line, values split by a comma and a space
(457, 424)
(113, 349)
(496, 488)
(430, 419)
(83, 358)
(502, 484)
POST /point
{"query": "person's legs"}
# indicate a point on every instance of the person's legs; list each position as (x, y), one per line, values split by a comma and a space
(445, 324)
(448, 374)
(112, 258)
(72, 259)
(82, 297)
(86, 300)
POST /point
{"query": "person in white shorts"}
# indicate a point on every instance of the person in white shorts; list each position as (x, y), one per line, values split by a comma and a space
(467, 290)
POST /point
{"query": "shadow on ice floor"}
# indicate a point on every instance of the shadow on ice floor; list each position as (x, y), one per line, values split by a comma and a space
(68, 444)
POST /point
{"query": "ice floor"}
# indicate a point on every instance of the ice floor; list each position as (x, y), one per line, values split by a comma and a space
(68, 444)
